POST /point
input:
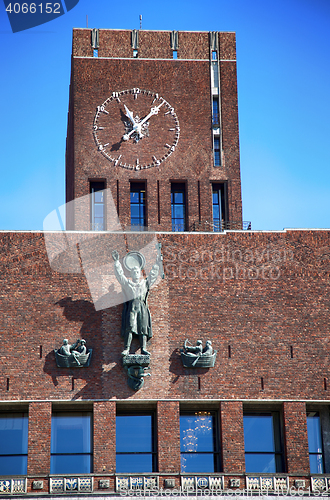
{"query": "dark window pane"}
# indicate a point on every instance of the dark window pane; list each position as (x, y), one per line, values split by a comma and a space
(134, 197)
(260, 462)
(70, 464)
(12, 465)
(138, 205)
(134, 433)
(13, 434)
(197, 462)
(316, 464)
(258, 433)
(71, 434)
(178, 197)
(134, 463)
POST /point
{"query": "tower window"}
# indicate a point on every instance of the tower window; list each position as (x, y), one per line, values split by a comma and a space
(263, 443)
(214, 55)
(95, 53)
(97, 206)
(315, 443)
(138, 205)
(135, 443)
(13, 443)
(135, 53)
(215, 112)
(178, 206)
(217, 156)
(218, 205)
(175, 54)
(71, 443)
(198, 438)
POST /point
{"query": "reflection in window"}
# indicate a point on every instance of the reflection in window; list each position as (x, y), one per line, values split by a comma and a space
(262, 439)
(138, 206)
(178, 206)
(135, 443)
(198, 443)
(13, 443)
(71, 443)
(315, 443)
(97, 206)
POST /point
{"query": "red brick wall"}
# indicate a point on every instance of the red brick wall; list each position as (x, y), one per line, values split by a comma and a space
(168, 439)
(232, 435)
(263, 294)
(296, 438)
(104, 453)
(40, 422)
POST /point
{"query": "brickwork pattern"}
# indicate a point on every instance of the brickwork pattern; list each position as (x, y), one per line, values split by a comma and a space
(104, 453)
(168, 439)
(296, 438)
(40, 422)
(232, 435)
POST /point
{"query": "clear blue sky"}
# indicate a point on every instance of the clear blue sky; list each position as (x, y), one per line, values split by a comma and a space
(283, 53)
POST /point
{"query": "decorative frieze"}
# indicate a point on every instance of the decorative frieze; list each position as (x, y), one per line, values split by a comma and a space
(37, 485)
(12, 486)
(104, 484)
(234, 482)
(267, 483)
(137, 483)
(202, 482)
(71, 485)
(320, 484)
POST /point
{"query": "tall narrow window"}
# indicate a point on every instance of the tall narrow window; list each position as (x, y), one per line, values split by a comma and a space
(215, 109)
(178, 206)
(215, 74)
(13, 443)
(218, 203)
(135, 443)
(315, 443)
(138, 206)
(198, 438)
(217, 157)
(71, 443)
(263, 443)
(97, 206)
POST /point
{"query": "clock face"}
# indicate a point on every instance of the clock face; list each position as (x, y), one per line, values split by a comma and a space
(136, 129)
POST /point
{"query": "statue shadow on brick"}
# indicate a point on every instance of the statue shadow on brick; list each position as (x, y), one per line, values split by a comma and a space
(75, 311)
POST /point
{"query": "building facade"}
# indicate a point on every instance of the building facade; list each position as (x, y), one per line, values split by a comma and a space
(225, 390)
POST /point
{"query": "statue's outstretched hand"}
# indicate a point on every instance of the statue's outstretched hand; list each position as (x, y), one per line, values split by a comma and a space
(115, 255)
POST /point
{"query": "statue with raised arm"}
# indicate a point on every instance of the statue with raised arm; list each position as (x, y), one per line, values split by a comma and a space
(136, 319)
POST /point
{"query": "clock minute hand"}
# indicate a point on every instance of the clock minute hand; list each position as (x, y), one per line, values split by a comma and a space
(153, 111)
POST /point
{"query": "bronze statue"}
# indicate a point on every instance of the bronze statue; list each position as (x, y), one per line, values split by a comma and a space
(136, 319)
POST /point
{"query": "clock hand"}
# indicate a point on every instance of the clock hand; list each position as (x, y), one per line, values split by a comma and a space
(129, 114)
(137, 126)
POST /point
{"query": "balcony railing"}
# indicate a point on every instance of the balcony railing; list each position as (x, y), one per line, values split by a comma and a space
(215, 227)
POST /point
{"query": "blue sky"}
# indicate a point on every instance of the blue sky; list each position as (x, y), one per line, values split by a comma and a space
(283, 55)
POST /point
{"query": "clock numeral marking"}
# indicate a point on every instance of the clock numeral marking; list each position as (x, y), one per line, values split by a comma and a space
(95, 127)
(105, 145)
(177, 129)
(101, 128)
(137, 161)
(171, 129)
(115, 94)
(101, 109)
(167, 145)
(100, 148)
